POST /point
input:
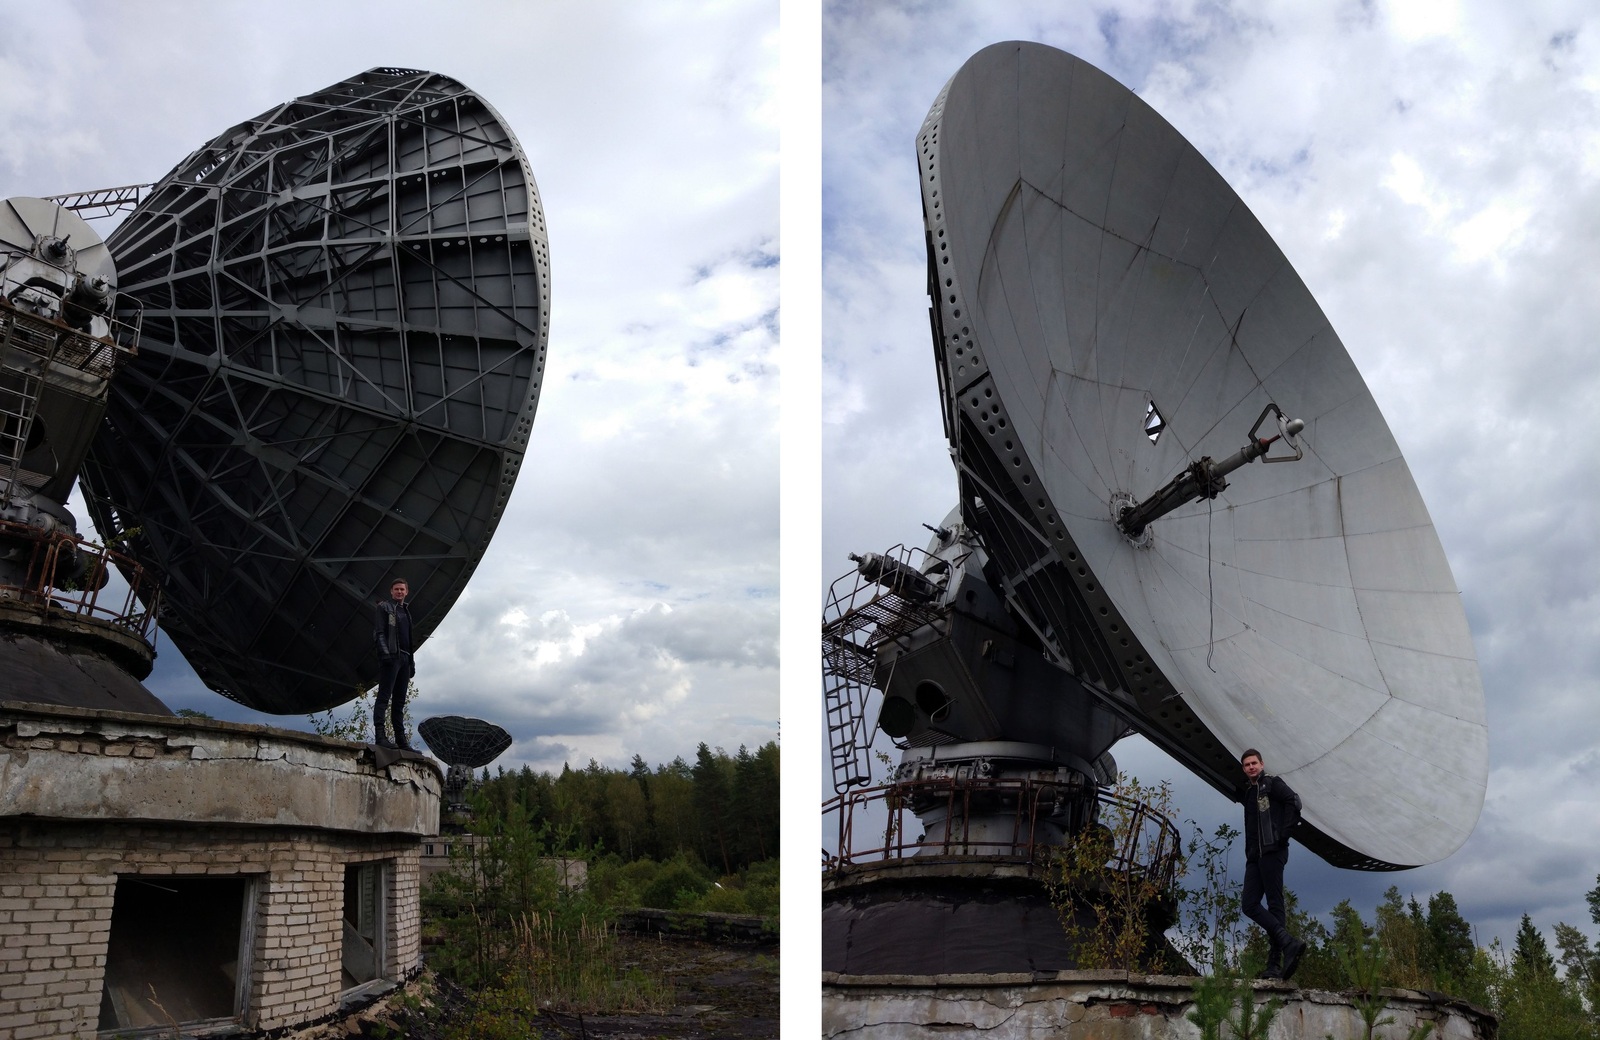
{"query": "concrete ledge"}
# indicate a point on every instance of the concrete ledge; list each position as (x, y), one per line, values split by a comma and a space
(1105, 1005)
(84, 764)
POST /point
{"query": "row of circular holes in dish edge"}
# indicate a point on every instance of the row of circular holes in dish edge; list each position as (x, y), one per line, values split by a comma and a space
(987, 409)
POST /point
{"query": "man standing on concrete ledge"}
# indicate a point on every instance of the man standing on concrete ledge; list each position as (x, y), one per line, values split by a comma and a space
(1271, 813)
(395, 666)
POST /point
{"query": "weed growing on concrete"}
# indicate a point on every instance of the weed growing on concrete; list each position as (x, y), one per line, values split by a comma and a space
(1224, 997)
(1213, 1000)
(1209, 928)
(1250, 1022)
(1111, 883)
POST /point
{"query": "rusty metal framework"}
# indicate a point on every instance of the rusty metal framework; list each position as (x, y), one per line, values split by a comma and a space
(860, 618)
(1145, 843)
(53, 558)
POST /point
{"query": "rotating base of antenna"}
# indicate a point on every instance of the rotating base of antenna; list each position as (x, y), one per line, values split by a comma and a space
(962, 883)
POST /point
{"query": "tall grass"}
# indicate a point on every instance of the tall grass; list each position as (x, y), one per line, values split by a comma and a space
(545, 963)
(577, 966)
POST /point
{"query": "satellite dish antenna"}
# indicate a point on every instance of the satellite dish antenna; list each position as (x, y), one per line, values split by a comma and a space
(346, 305)
(1109, 318)
(463, 744)
(460, 741)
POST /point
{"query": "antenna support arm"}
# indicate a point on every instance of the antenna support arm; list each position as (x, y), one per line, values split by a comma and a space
(1206, 478)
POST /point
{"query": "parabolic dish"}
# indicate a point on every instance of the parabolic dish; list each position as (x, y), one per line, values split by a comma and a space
(1091, 272)
(462, 741)
(346, 305)
(24, 220)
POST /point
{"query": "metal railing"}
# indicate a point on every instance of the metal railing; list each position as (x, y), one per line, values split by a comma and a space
(95, 355)
(34, 347)
(1143, 842)
(70, 575)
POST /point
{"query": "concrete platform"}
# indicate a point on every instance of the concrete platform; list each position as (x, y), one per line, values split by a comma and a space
(1104, 1005)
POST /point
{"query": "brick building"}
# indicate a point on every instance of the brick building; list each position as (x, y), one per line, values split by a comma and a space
(217, 875)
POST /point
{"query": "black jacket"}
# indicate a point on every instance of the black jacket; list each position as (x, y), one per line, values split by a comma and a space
(392, 632)
(1268, 827)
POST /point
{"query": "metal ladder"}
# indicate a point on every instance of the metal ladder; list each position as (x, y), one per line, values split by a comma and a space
(845, 699)
(861, 616)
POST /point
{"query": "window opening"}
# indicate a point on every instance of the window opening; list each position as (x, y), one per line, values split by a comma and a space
(175, 951)
(1153, 422)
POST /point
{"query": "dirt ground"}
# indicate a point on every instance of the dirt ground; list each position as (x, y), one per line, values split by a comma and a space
(722, 992)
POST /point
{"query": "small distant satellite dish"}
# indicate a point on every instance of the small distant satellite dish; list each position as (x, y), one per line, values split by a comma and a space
(1110, 321)
(346, 305)
(460, 741)
(463, 744)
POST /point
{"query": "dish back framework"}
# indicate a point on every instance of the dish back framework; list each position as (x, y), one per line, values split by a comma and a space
(346, 307)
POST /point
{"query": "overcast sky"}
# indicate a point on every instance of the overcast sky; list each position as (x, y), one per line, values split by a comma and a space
(628, 602)
(1432, 171)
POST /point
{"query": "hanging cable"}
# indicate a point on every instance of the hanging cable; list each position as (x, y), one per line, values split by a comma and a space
(1211, 590)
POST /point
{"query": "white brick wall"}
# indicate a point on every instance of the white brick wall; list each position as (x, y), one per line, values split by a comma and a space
(58, 882)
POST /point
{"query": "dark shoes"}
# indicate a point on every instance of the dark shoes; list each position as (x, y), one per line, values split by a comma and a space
(382, 740)
(1291, 957)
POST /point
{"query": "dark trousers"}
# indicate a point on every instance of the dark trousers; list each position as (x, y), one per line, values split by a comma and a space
(1264, 877)
(394, 675)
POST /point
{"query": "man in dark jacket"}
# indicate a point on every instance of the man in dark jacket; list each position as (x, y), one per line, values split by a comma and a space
(392, 636)
(1271, 812)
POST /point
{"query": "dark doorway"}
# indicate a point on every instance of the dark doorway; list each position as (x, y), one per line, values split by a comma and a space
(363, 923)
(174, 952)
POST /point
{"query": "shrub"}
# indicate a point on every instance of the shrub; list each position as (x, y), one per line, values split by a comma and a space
(677, 883)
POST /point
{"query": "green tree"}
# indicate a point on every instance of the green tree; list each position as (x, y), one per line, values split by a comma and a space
(1581, 964)
(1532, 1002)
(1450, 942)
(639, 773)
(1403, 936)
(672, 798)
(712, 787)
(1532, 955)
(755, 800)
(628, 814)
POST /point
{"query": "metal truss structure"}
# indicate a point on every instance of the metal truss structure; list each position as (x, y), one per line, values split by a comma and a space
(346, 307)
(102, 202)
